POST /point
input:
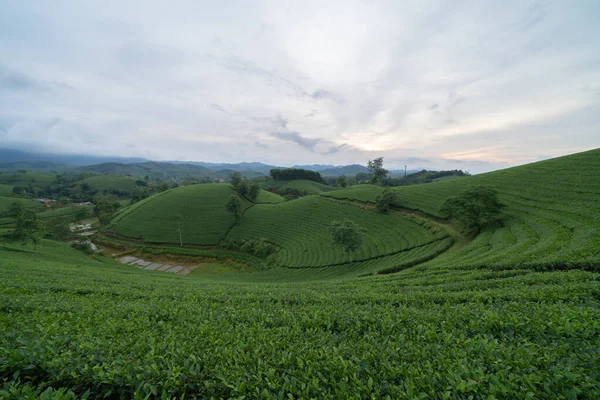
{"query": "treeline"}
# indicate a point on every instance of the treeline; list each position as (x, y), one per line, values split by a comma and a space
(289, 174)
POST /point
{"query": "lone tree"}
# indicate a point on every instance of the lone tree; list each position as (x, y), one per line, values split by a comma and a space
(474, 208)
(346, 234)
(28, 229)
(253, 191)
(385, 200)
(342, 181)
(234, 206)
(80, 215)
(378, 173)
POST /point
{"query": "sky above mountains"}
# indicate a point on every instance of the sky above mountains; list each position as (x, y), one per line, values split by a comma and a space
(428, 84)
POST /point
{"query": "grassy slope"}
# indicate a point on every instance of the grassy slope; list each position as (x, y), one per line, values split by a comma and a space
(5, 190)
(35, 178)
(268, 197)
(73, 323)
(5, 203)
(552, 214)
(106, 182)
(206, 221)
(308, 186)
(299, 228)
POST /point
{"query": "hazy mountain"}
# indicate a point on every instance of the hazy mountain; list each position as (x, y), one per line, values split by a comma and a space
(8, 156)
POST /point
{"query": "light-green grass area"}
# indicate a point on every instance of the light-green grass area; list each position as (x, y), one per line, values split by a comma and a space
(303, 185)
(551, 218)
(205, 221)
(75, 326)
(107, 182)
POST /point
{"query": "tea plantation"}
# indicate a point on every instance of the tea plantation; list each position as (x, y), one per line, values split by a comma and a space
(420, 311)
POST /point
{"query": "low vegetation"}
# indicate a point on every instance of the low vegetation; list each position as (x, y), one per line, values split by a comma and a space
(480, 287)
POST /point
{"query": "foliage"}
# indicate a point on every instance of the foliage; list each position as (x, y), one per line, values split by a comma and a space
(378, 173)
(81, 214)
(28, 229)
(385, 200)
(342, 181)
(551, 217)
(105, 209)
(203, 208)
(439, 333)
(346, 234)
(57, 229)
(288, 174)
(234, 206)
(473, 208)
(259, 247)
(299, 229)
(253, 191)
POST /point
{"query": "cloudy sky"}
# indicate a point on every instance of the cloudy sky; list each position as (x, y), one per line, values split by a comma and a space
(435, 84)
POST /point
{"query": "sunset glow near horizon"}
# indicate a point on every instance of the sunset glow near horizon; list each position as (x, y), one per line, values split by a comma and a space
(429, 84)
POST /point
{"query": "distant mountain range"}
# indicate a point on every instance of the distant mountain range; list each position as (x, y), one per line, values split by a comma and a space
(17, 159)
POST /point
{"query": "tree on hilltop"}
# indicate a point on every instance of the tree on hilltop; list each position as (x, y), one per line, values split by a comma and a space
(474, 208)
(385, 200)
(346, 234)
(234, 206)
(378, 173)
(28, 229)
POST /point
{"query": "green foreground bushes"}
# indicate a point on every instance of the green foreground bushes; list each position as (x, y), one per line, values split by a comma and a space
(75, 325)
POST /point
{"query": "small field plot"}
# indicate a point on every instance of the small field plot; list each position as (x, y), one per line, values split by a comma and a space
(264, 196)
(40, 179)
(5, 203)
(6, 190)
(205, 220)
(111, 182)
(365, 193)
(303, 185)
(300, 229)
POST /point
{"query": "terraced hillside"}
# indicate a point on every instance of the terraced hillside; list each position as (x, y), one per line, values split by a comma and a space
(77, 327)
(303, 185)
(300, 229)
(551, 219)
(106, 182)
(205, 220)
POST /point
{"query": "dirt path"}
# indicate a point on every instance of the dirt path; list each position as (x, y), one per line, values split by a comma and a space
(157, 266)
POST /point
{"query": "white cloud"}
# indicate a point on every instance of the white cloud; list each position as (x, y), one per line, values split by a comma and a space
(477, 84)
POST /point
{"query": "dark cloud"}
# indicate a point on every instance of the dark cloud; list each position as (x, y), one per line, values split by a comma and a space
(537, 12)
(17, 81)
(326, 94)
(316, 145)
(282, 122)
(261, 145)
(216, 107)
(311, 113)
(335, 149)
(297, 138)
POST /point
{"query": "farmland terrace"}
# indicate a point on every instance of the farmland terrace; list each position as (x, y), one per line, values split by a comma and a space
(417, 311)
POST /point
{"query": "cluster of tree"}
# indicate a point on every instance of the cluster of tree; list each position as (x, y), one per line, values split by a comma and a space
(385, 200)
(473, 209)
(105, 208)
(291, 193)
(288, 174)
(259, 247)
(243, 187)
(346, 234)
(234, 206)
(28, 227)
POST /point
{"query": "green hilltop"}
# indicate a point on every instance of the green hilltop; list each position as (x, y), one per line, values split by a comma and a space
(419, 310)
